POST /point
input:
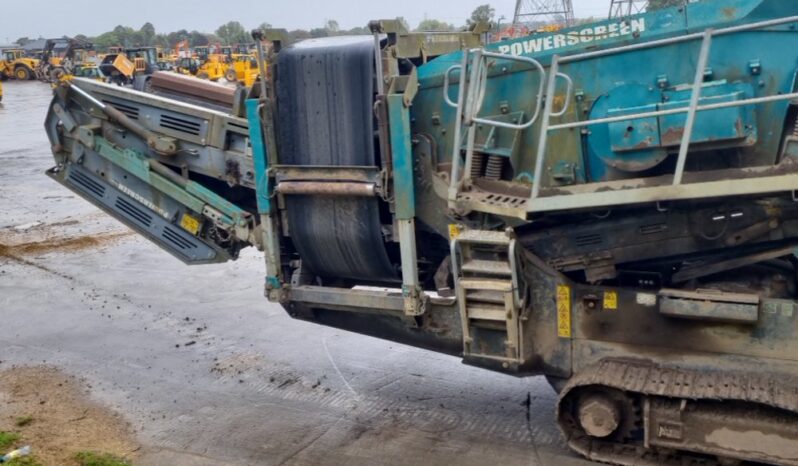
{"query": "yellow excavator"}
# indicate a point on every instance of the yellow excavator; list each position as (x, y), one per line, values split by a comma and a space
(14, 64)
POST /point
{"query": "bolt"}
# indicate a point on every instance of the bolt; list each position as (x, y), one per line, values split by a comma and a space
(598, 415)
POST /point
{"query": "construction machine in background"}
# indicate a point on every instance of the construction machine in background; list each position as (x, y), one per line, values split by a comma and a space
(73, 60)
(612, 206)
(15, 64)
(243, 69)
(130, 66)
(214, 67)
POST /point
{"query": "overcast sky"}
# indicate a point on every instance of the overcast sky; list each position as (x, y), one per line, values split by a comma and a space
(50, 18)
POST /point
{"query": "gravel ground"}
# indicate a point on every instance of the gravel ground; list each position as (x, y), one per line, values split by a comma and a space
(204, 369)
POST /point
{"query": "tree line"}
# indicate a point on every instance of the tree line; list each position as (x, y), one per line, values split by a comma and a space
(233, 32)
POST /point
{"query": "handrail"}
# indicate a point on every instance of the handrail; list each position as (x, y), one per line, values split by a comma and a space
(675, 111)
(446, 98)
(457, 164)
(483, 84)
(568, 93)
(691, 110)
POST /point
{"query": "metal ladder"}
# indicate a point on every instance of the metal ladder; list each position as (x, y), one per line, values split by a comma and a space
(489, 296)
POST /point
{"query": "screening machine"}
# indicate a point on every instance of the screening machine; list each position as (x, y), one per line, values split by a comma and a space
(612, 206)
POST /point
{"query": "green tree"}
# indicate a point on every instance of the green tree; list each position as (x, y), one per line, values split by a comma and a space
(359, 31)
(299, 34)
(332, 26)
(434, 25)
(162, 40)
(482, 14)
(197, 38)
(319, 32)
(147, 34)
(178, 36)
(232, 33)
(658, 4)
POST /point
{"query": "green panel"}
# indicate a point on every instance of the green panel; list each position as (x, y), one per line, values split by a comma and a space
(404, 190)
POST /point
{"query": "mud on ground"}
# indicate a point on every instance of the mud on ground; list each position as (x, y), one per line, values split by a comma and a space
(53, 414)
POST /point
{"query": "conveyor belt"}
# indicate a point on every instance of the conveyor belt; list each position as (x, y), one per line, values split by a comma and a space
(325, 93)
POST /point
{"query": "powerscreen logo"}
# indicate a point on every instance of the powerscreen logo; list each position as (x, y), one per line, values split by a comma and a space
(631, 27)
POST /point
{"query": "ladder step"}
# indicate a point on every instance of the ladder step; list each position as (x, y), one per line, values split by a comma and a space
(487, 313)
(491, 297)
(484, 237)
(486, 284)
(487, 267)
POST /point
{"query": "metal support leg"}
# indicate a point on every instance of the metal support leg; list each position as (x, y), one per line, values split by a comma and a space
(405, 203)
(698, 82)
(263, 191)
(551, 88)
(378, 65)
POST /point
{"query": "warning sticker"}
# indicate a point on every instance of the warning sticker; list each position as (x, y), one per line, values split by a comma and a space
(610, 300)
(454, 231)
(190, 224)
(564, 311)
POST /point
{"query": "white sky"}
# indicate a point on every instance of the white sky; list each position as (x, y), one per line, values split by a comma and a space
(55, 18)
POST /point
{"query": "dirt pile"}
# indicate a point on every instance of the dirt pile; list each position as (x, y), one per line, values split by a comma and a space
(52, 413)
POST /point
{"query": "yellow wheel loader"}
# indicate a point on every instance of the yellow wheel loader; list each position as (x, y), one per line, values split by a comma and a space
(14, 64)
(243, 69)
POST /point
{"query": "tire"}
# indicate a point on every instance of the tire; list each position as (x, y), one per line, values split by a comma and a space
(22, 73)
(57, 74)
(203, 75)
(231, 75)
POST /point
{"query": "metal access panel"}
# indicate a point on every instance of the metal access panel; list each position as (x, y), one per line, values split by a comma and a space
(712, 126)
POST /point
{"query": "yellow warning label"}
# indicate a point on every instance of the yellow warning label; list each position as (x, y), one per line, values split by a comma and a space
(190, 224)
(564, 311)
(610, 300)
(454, 231)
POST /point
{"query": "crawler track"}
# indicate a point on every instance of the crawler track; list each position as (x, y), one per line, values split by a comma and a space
(752, 399)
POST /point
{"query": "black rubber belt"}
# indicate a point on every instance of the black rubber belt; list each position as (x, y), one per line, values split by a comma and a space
(325, 93)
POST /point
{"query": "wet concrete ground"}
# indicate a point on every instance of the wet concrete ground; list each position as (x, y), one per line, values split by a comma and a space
(206, 370)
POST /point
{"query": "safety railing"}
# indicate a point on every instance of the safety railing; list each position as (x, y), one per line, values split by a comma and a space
(470, 101)
(536, 203)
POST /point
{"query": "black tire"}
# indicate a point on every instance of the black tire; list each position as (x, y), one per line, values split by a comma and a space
(22, 73)
(203, 75)
(231, 75)
(57, 74)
